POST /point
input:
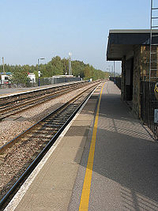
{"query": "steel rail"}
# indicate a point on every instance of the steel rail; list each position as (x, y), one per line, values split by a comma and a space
(14, 97)
(45, 149)
(10, 143)
(17, 108)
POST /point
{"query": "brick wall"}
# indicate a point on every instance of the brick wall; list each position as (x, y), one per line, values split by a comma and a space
(136, 80)
(140, 73)
(123, 79)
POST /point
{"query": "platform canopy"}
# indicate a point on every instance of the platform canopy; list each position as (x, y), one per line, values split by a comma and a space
(121, 42)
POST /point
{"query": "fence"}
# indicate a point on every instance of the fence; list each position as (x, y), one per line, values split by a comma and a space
(51, 80)
(117, 81)
(148, 104)
(43, 81)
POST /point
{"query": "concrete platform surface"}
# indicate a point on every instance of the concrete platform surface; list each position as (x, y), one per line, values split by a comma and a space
(18, 90)
(124, 168)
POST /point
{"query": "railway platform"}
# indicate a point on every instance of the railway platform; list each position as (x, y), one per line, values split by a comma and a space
(13, 91)
(104, 160)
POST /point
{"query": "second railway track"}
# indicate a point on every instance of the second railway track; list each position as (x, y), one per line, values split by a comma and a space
(18, 155)
(13, 105)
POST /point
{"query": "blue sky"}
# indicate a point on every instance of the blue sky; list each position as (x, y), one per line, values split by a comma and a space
(31, 29)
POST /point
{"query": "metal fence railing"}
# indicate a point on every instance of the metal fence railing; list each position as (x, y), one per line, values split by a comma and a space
(148, 105)
(51, 80)
(117, 81)
(43, 81)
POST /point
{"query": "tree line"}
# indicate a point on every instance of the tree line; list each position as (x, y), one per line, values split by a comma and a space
(56, 66)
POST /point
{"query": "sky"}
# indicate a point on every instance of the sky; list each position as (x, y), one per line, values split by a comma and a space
(31, 29)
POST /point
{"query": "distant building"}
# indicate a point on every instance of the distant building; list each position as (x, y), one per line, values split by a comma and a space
(32, 77)
(5, 78)
(62, 76)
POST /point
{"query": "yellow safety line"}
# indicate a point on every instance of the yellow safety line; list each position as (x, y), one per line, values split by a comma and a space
(84, 202)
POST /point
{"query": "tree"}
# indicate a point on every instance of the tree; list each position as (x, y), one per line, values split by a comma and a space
(56, 66)
(65, 64)
(87, 72)
(19, 77)
(78, 68)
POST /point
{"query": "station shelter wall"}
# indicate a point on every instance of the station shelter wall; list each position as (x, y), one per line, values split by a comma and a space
(135, 70)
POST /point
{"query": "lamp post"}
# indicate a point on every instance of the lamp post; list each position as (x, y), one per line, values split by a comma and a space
(39, 72)
(3, 65)
(70, 71)
(114, 69)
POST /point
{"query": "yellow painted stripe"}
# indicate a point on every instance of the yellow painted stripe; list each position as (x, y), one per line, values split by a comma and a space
(84, 202)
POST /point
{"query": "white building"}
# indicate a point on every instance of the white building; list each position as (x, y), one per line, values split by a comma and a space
(32, 77)
(4, 79)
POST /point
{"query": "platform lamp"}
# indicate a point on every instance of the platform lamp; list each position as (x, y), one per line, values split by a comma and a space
(39, 72)
(70, 70)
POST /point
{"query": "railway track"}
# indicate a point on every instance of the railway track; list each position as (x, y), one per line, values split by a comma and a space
(12, 105)
(21, 155)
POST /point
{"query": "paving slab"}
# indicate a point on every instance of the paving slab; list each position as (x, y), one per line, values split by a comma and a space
(50, 200)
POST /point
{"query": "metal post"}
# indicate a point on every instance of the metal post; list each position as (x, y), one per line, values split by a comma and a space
(114, 74)
(70, 72)
(3, 65)
(39, 72)
(150, 40)
(114, 68)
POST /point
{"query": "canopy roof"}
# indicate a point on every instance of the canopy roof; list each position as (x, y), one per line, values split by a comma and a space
(121, 42)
